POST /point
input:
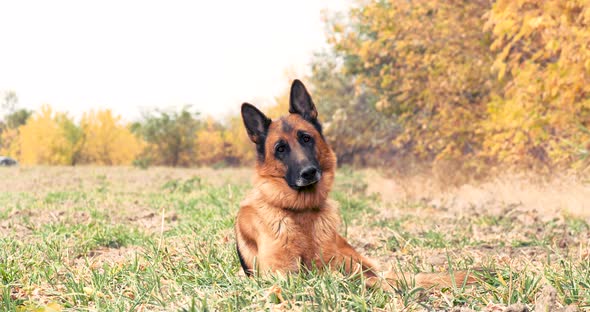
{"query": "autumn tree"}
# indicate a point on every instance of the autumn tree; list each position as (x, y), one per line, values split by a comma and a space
(50, 138)
(9, 142)
(170, 137)
(209, 139)
(107, 140)
(541, 116)
(428, 65)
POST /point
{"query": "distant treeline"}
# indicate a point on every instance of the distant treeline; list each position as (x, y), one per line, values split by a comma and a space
(470, 85)
(177, 138)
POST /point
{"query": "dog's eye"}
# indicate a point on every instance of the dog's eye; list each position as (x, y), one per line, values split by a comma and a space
(281, 148)
(306, 138)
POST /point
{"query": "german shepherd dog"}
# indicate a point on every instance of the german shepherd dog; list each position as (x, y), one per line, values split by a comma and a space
(287, 221)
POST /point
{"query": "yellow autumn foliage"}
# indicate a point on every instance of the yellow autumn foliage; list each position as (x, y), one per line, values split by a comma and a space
(10, 143)
(543, 56)
(485, 84)
(210, 143)
(107, 140)
(49, 138)
(427, 66)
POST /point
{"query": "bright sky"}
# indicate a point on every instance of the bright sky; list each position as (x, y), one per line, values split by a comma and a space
(134, 55)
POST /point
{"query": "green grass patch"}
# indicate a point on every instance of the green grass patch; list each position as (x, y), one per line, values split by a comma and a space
(169, 246)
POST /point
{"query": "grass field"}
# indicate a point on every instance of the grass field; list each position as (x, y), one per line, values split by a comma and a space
(121, 239)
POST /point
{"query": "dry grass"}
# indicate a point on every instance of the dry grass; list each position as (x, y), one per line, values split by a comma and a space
(125, 179)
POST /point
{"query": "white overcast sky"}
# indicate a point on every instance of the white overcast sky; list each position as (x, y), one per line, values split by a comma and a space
(133, 55)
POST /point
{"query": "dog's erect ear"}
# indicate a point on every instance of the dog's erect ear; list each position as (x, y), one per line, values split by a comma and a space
(256, 122)
(300, 102)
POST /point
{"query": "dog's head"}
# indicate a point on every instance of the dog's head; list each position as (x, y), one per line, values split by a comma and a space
(293, 157)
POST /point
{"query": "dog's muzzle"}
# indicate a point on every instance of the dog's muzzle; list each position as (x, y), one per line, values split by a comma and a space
(308, 176)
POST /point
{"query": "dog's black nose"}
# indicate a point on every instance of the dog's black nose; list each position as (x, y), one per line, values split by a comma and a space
(309, 173)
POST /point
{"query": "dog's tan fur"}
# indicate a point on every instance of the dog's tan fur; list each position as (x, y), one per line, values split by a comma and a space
(279, 229)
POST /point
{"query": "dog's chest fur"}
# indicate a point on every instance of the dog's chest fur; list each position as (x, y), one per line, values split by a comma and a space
(302, 233)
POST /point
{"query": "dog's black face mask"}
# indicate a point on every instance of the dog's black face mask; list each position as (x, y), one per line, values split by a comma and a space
(299, 157)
